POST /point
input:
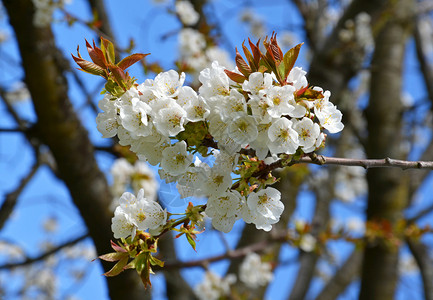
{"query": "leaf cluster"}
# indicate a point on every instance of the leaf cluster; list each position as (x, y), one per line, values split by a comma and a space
(104, 64)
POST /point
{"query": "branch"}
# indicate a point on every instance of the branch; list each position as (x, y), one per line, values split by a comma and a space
(11, 198)
(238, 253)
(425, 263)
(326, 160)
(342, 277)
(425, 66)
(44, 255)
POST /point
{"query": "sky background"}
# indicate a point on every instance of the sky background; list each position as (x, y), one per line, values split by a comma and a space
(47, 197)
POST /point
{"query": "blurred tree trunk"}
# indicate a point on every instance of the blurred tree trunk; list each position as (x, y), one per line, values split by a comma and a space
(388, 188)
(60, 129)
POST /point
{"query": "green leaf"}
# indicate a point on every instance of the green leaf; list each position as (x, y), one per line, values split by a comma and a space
(130, 60)
(142, 261)
(118, 268)
(145, 277)
(107, 48)
(156, 262)
(290, 58)
(114, 256)
(191, 240)
(280, 72)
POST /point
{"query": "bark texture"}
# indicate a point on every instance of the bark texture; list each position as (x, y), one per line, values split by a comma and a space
(60, 129)
(388, 189)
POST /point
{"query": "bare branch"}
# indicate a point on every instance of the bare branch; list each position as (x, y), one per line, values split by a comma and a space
(425, 263)
(425, 66)
(365, 163)
(11, 198)
(238, 253)
(44, 255)
(342, 277)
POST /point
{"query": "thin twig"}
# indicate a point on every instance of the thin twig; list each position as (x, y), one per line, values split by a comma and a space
(42, 256)
(11, 198)
(238, 253)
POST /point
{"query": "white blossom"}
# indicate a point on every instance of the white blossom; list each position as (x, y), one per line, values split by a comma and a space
(213, 287)
(197, 110)
(121, 224)
(168, 83)
(134, 117)
(191, 42)
(264, 208)
(186, 12)
(283, 139)
(279, 98)
(175, 159)
(219, 181)
(307, 242)
(330, 119)
(253, 272)
(145, 214)
(224, 209)
(308, 132)
(136, 213)
(297, 78)
(169, 121)
(258, 83)
(215, 83)
(243, 129)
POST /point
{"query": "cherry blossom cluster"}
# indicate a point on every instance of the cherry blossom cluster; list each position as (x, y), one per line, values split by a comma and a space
(242, 118)
(137, 213)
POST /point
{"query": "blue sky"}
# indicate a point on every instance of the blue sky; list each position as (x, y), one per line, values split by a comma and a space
(46, 196)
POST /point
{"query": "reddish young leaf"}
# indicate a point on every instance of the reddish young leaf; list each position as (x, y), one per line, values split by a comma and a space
(119, 75)
(89, 67)
(242, 65)
(95, 56)
(116, 247)
(130, 60)
(256, 51)
(250, 58)
(276, 50)
(301, 91)
(235, 76)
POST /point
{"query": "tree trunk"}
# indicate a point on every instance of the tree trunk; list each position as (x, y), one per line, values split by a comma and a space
(388, 189)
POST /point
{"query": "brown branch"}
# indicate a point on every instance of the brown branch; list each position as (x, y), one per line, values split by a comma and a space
(11, 198)
(61, 130)
(21, 123)
(326, 160)
(369, 163)
(342, 277)
(388, 189)
(425, 66)
(425, 263)
(44, 255)
(233, 254)
(421, 214)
